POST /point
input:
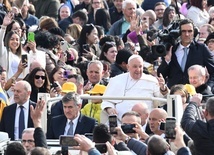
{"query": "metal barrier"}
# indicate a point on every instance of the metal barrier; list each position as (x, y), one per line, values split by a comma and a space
(3, 145)
(174, 102)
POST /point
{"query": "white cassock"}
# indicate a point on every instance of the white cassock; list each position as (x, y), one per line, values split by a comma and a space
(125, 85)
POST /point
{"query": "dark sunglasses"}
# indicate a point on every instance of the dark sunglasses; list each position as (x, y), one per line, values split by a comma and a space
(38, 76)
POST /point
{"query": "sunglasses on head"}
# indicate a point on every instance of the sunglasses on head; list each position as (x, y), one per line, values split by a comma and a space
(38, 76)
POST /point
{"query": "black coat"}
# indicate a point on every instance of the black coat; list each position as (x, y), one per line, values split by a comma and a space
(204, 89)
(8, 119)
(201, 132)
(57, 127)
(198, 54)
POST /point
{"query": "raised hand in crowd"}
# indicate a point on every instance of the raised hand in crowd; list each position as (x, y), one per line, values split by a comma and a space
(197, 98)
(120, 134)
(111, 111)
(32, 46)
(36, 113)
(168, 55)
(8, 19)
(85, 144)
(55, 91)
(179, 141)
(134, 23)
(110, 149)
(138, 129)
(11, 82)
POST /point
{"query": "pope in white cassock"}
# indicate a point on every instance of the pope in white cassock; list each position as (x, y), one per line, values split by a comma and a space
(132, 83)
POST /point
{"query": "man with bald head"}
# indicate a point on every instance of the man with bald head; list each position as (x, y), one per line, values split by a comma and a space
(131, 84)
(143, 111)
(16, 117)
(157, 116)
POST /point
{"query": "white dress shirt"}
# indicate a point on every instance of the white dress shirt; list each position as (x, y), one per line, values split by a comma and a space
(180, 52)
(26, 114)
(75, 121)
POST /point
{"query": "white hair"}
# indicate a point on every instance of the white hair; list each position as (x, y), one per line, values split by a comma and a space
(199, 68)
(211, 10)
(128, 2)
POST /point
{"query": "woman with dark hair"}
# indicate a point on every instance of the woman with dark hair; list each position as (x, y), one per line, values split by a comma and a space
(50, 44)
(57, 79)
(88, 47)
(109, 52)
(13, 26)
(102, 18)
(168, 16)
(39, 82)
(11, 50)
(197, 12)
(57, 75)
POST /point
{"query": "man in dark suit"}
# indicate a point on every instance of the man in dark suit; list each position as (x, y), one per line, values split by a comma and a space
(174, 67)
(10, 122)
(72, 122)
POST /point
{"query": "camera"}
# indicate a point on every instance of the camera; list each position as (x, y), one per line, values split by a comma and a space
(128, 128)
(86, 47)
(54, 85)
(167, 38)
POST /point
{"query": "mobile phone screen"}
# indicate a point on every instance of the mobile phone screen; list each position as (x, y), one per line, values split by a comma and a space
(68, 141)
(170, 128)
(113, 124)
(31, 37)
(24, 59)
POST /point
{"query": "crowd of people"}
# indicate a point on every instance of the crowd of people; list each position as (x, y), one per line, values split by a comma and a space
(109, 48)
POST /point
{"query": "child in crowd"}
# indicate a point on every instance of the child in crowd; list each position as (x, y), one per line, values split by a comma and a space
(93, 108)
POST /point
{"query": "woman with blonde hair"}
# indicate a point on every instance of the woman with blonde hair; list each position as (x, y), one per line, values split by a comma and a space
(74, 30)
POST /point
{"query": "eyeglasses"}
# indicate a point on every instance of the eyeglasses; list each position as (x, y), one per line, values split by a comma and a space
(38, 76)
(29, 141)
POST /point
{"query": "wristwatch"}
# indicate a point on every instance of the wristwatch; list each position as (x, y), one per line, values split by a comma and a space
(127, 140)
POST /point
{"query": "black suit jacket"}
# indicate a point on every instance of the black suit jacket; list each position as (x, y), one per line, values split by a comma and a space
(7, 123)
(57, 127)
(198, 54)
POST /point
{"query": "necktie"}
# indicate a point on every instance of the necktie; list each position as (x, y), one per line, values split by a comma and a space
(70, 130)
(21, 121)
(184, 59)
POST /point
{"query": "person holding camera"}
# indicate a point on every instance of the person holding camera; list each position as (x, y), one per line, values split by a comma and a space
(201, 132)
(185, 54)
